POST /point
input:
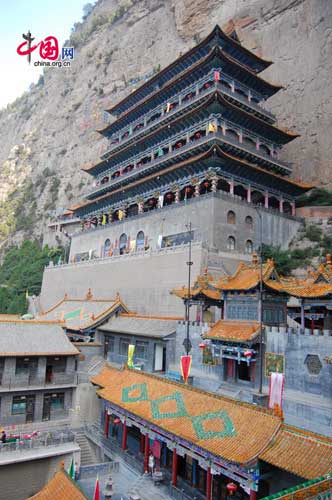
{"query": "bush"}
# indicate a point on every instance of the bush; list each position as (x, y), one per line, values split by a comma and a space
(313, 233)
(316, 197)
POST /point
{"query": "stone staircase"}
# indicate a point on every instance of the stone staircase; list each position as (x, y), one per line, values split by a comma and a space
(88, 454)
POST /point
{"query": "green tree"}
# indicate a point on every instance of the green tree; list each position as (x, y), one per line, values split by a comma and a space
(22, 271)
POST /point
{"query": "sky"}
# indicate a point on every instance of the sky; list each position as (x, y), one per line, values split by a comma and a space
(42, 18)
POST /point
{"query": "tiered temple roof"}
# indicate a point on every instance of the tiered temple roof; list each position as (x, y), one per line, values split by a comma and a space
(199, 116)
(214, 424)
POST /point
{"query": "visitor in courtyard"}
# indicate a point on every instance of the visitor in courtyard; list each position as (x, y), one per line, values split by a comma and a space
(151, 463)
(3, 437)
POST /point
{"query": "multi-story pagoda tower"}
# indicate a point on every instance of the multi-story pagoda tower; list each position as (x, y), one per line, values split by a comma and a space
(196, 130)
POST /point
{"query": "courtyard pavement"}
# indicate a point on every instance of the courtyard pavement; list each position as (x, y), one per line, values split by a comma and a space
(126, 482)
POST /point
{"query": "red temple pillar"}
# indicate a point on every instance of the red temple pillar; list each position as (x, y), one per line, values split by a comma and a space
(208, 483)
(252, 495)
(266, 200)
(106, 423)
(124, 436)
(142, 443)
(249, 194)
(146, 454)
(174, 468)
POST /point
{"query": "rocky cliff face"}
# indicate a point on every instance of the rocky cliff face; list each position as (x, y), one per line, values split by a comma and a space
(49, 133)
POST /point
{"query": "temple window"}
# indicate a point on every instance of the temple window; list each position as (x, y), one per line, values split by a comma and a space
(107, 247)
(231, 243)
(248, 221)
(123, 243)
(231, 217)
(249, 246)
(140, 239)
(141, 349)
(123, 346)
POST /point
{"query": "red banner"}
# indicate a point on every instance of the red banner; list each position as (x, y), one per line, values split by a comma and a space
(185, 367)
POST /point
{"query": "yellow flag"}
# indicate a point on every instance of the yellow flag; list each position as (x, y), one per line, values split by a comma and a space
(131, 349)
(120, 215)
(103, 220)
(168, 107)
(212, 127)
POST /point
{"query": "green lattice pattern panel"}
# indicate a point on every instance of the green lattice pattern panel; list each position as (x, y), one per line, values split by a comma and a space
(198, 421)
(181, 409)
(143, 396)
(226, 424)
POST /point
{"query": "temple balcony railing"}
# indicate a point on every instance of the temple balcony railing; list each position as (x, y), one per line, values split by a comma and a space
(188, 95)
(244, 148)
(241, 131)
(223, 195)
(29, 381)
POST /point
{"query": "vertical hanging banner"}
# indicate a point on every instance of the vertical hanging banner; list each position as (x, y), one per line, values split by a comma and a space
(185, 367)
(131, 349)
(276, 389)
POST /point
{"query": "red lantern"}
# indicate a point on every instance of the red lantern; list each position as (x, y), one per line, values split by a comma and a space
(117, 421)
(197, 135)
(188, 190)
(207, 85)
(206, 184)
(169, 196)
(231, 488)
(247, 354)
(202, 345)
(116, 174)
(152, 201)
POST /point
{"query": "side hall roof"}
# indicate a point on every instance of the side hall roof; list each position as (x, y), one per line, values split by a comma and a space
(234, 330)
(85, 313)
(237, 432)
(33, 338)
(60, 487)
(142, 325)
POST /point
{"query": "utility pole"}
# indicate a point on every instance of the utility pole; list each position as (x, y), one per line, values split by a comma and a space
(186, 342)
(260, 300)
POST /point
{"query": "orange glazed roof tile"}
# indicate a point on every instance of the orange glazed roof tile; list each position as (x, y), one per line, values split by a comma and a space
(236, 431)
(246, 276)
(60, 487)
(304, 454)
(203, 285)
(214, 423)
(236, 331)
